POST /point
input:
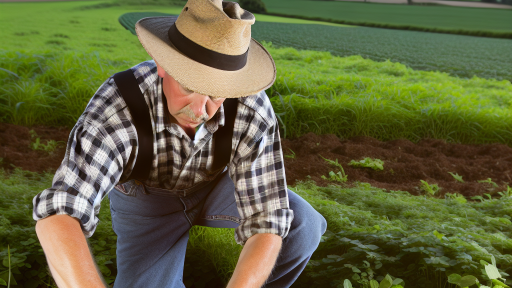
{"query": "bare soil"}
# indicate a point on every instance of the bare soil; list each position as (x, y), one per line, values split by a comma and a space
(405, 162)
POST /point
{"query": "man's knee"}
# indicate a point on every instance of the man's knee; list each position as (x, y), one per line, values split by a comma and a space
(310, 224)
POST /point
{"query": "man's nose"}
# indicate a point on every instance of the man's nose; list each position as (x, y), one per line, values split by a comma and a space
(199, 107)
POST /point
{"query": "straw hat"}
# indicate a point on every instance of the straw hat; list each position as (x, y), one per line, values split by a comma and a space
(209, 50)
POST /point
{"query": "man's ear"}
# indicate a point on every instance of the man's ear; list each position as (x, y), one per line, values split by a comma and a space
(161, 71)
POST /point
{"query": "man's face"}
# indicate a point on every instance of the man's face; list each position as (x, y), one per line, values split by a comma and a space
(188, 108)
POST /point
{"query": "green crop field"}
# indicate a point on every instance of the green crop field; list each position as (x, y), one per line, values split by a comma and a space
(53, 57)
(460, 55)
(442, 18)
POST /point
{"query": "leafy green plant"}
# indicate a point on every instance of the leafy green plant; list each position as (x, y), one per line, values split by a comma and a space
(491, 271)
(336, 177)
(387, 282)
(2, 281)
(481, 198)
(292, 156)
(36, 143)
(431, 190)
(505, 194)
(489, 181)
(340, 176)
(456, 177)
(375, 164)
(456, 197)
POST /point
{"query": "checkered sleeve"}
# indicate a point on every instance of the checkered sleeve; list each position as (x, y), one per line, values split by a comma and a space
(98, 149)
(261, 194)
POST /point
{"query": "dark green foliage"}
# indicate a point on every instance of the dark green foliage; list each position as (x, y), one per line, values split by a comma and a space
(152, 2)
(254, 6)
(28, 262)
(114, 3)
(372, 233)
(128, 20)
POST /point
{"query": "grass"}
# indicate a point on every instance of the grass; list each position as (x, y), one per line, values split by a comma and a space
(352, 95)
(455, 20)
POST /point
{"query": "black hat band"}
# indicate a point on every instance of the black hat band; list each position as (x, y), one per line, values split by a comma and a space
(204, 55)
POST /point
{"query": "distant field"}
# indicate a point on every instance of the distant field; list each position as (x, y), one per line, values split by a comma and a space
(459, 55)
(63, 26)
(404, 16)
(463, 56)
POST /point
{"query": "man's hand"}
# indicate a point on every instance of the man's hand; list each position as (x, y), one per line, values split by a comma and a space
(67, 252)
(256, 261)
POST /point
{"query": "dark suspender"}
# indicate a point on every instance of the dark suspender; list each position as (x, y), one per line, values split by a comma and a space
(130, 91)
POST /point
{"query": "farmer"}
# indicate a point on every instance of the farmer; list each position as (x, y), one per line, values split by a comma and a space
(178, 168)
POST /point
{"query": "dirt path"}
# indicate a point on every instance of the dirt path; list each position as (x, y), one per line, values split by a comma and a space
(405, 163)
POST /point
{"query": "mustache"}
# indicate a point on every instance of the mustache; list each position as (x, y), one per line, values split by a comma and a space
(190, 114)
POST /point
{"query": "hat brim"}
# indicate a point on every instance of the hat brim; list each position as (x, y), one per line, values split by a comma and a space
(258, 74)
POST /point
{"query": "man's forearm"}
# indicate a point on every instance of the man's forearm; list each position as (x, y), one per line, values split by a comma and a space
(256, 261)
(67, 252)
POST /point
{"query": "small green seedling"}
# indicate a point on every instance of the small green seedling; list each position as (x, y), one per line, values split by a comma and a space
(457, 177)
(457, 197)
(504, 194)
(337, 177)
(334, 163)
(489, 181)
(36, 144)
(375, 164)
(290, 156)
(482, 199)
(429, 189)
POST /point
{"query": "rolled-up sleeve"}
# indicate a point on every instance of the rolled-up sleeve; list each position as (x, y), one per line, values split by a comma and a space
(260, 185)
(93, 164)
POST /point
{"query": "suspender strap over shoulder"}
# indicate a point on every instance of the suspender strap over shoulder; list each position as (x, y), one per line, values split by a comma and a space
(223, 137)
(130, 91)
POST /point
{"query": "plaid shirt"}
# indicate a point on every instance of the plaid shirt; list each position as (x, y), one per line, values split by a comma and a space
(102, 148)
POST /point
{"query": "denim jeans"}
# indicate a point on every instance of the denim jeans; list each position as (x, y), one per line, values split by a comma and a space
(152, 226)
